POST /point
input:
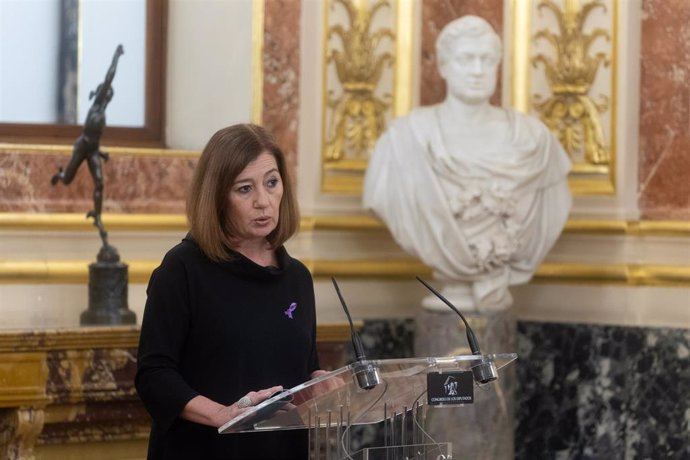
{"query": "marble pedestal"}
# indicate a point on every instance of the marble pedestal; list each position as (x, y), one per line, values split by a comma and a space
(483, 430)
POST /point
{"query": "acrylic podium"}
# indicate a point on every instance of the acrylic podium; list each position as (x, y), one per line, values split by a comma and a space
(333, 406)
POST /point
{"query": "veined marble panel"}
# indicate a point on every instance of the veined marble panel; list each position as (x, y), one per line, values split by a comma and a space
(435, 15)
(584, 391)
(664, 162)
(281, 74)
(609, 392)
(133, 184)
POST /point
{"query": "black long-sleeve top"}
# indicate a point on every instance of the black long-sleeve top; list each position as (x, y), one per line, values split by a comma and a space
(221, 330)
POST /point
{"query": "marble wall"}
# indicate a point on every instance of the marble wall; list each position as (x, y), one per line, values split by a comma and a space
(281, 71)
(435, 15)
(584, 391)
(664, 157)
(133, 184)
(611, 392)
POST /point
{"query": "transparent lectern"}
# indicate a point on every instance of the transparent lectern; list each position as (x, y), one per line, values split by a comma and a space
(332, 406)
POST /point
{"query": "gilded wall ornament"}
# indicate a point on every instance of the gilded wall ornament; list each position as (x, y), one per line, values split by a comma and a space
(358, 114)
(570, 112)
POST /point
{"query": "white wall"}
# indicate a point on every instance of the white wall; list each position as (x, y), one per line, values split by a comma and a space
(209, 82)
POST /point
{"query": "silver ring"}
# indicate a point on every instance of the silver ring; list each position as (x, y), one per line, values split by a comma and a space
(244, 402)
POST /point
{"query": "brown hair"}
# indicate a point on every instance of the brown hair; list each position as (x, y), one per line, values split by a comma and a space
(225, 156)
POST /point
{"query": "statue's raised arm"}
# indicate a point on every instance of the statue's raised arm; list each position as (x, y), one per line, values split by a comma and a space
(103, 88)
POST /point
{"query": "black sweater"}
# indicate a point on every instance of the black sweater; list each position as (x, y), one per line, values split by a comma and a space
(221, 330)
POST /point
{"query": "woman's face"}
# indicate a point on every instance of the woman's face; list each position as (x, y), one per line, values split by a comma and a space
(254, 199)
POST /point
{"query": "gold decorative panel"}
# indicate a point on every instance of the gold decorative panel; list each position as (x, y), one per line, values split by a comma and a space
(564, 54)
(365, 83)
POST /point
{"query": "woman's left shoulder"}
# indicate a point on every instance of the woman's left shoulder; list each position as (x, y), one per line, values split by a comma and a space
(292, 264)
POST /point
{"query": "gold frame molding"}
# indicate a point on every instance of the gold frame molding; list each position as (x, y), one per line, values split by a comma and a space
(76, 272)
(77, 222)
(112, 150)
(82, 338)
(90, 337)
(404, 53)
(258, 18)
(353, 222)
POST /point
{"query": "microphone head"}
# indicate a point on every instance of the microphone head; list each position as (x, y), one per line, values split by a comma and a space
(484, 371)
(366, 375)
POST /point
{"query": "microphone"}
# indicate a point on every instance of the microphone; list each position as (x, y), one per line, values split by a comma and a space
(366, 373)
(484, 371)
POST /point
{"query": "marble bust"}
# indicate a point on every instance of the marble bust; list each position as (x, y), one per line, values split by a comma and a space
(478, 193)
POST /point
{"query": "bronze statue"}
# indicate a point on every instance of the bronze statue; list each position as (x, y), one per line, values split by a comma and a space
(108, 275)
(87, 147)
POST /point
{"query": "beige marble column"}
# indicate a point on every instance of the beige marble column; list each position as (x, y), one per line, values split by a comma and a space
(281, 71)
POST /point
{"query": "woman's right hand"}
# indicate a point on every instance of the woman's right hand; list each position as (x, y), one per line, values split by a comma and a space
(255, 397)
(250, 400)
(207, 412)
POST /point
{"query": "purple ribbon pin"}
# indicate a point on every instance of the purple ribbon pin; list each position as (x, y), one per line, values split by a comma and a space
(291, 308)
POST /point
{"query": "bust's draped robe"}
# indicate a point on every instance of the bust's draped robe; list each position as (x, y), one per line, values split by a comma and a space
(486, 218)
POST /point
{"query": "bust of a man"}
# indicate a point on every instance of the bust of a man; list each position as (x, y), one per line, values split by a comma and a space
(479, 193)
